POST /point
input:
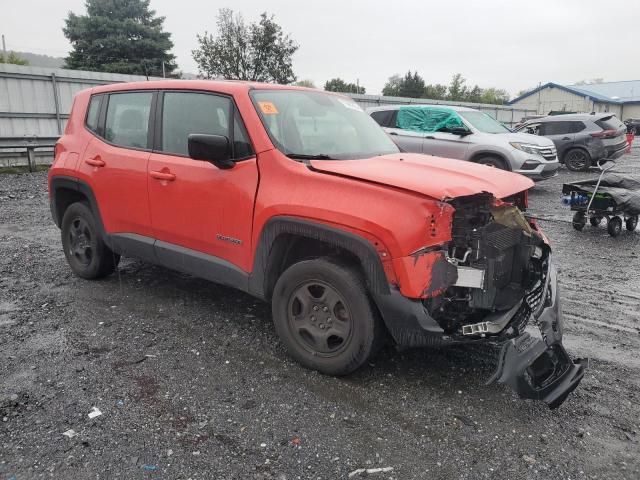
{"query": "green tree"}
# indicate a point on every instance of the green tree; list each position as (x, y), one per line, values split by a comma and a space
(435, 92)
(13, 58)
(119, 36)
(392, 87)
(494, 95)
(339, 85)
(412, 85)
(457, 88)
(305, 83)
(474, 95)
(259, 52)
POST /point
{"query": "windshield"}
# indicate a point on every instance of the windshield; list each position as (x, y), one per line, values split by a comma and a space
(307, 124)
(483, 122)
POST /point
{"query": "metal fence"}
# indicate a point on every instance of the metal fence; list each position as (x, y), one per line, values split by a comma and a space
(503, 113)
(35, 104)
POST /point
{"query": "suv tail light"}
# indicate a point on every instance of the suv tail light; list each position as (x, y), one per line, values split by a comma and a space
(605, 134)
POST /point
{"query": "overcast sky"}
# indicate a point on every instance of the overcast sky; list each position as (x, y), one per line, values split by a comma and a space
(504, 44)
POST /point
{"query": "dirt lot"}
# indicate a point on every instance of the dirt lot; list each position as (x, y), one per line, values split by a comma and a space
(192, 382)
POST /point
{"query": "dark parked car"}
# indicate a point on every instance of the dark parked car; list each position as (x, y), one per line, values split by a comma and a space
(633, 125)
(582, 140)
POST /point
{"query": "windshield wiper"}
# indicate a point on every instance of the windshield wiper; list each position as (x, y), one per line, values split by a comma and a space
(302, 156)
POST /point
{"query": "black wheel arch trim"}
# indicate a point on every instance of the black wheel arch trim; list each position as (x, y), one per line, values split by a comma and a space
(59, 182)
(277, 226)
(488, 153)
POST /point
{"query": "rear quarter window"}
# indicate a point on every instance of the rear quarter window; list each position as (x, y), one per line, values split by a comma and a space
(609, 123)
(383, 117)
(93, 112)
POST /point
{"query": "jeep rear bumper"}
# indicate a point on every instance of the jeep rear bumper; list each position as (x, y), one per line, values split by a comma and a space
(536, 368)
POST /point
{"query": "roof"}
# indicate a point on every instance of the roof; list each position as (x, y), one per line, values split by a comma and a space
(455, 108)
(608, 92)
(572, 116)
(229, 87)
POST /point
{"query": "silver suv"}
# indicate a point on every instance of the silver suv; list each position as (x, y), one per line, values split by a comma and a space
(467, 134)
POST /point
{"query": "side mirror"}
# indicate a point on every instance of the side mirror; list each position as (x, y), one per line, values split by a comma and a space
(211, 148)
(462, 131)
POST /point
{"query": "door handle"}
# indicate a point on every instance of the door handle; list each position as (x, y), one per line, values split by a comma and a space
(393, 133)
(566, 138)
(95, 162)
(430, 138)
(166, 176)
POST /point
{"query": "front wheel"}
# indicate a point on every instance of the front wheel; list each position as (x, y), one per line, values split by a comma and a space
(577, 160)
(86, 253)
(323, 315)
(631, 223)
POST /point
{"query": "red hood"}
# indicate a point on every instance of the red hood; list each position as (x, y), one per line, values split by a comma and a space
(437, 177)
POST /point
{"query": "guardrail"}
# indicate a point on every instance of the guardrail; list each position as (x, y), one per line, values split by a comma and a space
(29, 143)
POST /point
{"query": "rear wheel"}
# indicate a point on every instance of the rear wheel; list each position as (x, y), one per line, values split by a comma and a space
(86, 253)
(595, 221)
(631, 223)
(323, 315)
(577, 160)
(579, 221)
(614, 227)
(494, 162)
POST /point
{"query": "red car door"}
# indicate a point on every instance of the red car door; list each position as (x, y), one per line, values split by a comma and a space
(198, 211)
(115, 163)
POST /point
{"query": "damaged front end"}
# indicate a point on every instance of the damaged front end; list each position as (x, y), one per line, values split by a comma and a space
(488, 283)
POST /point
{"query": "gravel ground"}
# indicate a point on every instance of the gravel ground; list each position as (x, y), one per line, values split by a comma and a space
(192, 382)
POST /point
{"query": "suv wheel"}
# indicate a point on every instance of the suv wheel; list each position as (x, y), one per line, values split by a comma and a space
(323, 315)
(631, 223)
(86, 253)
(494, 162)
(577, 160)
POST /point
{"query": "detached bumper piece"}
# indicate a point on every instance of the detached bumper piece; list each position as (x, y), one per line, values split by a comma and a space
(541, 369)
(538, 371)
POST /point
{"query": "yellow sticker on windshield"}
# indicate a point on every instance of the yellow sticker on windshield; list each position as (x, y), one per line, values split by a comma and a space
(268, 108)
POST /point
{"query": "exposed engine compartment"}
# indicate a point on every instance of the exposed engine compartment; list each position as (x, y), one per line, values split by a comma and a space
(501, 261)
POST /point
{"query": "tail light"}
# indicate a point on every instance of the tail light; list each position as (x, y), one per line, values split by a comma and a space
(605, 134)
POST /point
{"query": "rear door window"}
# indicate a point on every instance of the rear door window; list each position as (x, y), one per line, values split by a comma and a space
(127, 123)
(555, 128)
(576, 127)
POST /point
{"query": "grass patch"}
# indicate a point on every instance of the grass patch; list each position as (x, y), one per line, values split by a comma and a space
(22, 169)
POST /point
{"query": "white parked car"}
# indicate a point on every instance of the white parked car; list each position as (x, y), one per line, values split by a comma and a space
(467, 134)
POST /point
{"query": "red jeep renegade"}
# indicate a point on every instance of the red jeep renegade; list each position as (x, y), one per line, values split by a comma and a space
(299, 198)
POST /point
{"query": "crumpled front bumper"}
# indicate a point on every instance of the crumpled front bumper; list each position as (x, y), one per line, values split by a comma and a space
(540, 368)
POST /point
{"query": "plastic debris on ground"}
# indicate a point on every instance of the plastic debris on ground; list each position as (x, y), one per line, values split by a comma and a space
(70, 433)
(95, 412)
(369, 471)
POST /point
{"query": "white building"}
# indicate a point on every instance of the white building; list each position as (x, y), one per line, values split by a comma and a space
(620, 98)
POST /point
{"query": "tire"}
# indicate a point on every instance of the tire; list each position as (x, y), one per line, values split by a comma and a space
(631, 223)
(614, 227)
(595, 221)
(86, 253)
(324, 316)
(494, 162)
(577, 160)
(579, 221)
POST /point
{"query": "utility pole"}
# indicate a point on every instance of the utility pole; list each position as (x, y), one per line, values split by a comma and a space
(163, 74)
(538, 109)
(4, 48)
